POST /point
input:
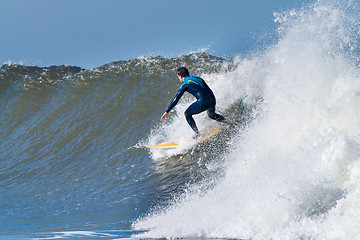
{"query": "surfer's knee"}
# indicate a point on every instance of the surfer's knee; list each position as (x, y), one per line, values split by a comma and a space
(189, 118)
(187, 113)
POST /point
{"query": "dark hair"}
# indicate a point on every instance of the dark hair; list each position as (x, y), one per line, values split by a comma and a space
(182, 71)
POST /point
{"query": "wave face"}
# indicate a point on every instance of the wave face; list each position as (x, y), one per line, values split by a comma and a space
(293, 171)
(69, 158)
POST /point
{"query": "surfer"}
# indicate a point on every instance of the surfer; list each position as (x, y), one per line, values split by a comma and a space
(205, 99)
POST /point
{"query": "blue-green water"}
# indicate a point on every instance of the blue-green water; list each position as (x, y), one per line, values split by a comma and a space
(70, 158)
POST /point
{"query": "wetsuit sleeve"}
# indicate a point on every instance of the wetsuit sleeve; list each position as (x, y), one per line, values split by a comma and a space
(176, 98)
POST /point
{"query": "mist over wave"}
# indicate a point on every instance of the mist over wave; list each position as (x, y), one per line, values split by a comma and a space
(294, 171)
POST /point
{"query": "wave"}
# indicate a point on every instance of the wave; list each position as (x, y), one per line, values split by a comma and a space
(68, 138)
(293, 172)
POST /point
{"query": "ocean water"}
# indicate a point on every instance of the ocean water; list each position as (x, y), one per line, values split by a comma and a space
(72, 165)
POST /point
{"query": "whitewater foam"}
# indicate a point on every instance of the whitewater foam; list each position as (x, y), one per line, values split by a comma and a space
(294, 172)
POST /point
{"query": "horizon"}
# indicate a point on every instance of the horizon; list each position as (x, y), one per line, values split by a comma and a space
(89, 33)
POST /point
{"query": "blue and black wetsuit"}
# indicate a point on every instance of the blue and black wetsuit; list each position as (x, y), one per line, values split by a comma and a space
(205, 100)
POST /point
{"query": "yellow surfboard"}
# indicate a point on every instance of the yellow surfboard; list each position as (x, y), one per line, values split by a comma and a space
(168, 145)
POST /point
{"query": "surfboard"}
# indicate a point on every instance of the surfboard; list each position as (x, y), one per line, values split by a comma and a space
(170, 145)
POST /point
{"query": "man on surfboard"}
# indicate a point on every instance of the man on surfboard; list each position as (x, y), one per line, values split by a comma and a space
(205, 99)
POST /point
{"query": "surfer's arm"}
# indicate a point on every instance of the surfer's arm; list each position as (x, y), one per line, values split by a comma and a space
(176, 98)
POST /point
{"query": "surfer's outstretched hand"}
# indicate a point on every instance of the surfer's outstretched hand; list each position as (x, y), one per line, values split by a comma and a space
(165, 115)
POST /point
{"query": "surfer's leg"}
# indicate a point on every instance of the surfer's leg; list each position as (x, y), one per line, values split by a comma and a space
(213, 115)
(194, 108)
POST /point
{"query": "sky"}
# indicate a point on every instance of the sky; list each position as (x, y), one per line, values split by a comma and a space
(91, 33)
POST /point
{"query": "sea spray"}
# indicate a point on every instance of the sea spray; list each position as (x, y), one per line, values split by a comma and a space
(293, 173)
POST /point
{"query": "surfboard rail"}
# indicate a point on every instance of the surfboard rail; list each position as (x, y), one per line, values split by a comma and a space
(170, 145)
(164, 145)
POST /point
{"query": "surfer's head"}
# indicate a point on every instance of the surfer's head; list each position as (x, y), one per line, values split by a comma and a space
(183, 72)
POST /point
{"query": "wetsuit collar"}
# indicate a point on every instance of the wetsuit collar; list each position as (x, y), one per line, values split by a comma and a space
(193, 79)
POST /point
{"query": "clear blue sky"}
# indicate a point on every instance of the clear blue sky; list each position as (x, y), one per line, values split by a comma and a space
(90, 33)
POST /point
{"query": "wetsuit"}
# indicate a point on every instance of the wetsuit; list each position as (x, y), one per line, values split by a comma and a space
(205, 100)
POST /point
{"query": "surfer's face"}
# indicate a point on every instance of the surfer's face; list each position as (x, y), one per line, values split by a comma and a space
(181, 79)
